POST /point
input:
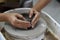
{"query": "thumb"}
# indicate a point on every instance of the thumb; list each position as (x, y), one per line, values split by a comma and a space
(31, 13)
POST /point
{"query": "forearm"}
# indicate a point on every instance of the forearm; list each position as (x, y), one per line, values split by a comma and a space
(2, 17)
(41, 4)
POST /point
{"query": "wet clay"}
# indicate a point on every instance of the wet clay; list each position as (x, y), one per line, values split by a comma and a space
(26, 16)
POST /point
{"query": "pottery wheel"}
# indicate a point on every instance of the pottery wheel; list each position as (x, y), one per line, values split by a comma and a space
(40, 28)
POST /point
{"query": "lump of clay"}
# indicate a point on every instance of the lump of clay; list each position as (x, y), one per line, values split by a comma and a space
(26, 15)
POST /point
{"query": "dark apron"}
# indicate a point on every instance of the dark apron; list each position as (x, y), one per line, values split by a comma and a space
(26, 3)
(58, 1)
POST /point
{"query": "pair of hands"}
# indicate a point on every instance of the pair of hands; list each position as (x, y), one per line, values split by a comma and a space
(12, 18)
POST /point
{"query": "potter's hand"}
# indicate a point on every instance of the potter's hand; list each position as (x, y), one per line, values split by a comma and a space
(12, 18)
(36, 17)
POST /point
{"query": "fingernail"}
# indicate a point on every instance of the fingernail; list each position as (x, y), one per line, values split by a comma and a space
(30, 16)
(32, 26)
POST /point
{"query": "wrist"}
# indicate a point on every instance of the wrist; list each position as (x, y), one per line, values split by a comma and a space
(3, 17)
(34, 8)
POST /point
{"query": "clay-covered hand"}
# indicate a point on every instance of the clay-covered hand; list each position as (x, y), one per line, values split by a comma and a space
(36, 17)
(12, 18)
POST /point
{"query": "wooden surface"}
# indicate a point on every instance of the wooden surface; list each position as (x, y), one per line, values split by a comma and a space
(49, 36)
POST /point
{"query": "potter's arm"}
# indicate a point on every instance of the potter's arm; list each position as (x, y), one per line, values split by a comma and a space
(38, 6)
(41, 4)
(2, 17)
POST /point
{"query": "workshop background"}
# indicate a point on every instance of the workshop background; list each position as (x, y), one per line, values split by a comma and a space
(53, 8)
